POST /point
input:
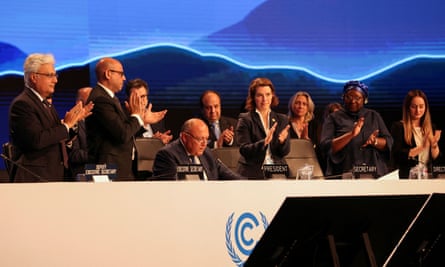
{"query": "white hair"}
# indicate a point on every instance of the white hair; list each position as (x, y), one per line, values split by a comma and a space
(33, 63)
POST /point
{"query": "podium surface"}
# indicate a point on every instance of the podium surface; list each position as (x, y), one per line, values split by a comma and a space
(158, 223)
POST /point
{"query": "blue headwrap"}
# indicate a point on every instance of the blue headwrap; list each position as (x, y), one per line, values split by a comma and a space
(361, 87)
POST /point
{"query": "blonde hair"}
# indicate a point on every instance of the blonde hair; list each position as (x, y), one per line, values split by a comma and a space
(310, 106)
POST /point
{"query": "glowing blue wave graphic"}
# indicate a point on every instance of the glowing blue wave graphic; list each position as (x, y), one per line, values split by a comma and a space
(243, 65)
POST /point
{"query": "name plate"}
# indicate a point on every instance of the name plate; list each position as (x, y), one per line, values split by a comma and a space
(271, 170)
(190, 172)
(364, 171)
(438, 171)
(100, 172)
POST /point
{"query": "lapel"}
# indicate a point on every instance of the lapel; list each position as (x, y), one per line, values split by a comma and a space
(204, 164)
(257, 121)
(115, 102)
(223, 124)
(118, 106)
(273, 118)
(48, 114)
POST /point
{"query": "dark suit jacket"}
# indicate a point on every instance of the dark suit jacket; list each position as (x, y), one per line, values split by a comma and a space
(78, 153)
(224, 123)
(174, 154)
(312, 132)
(250, 138)
(110, 133)
(37, 132)
(400, 150)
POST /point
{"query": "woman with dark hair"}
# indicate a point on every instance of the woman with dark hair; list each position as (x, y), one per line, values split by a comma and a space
(261, 133)
(355, 136)
(415, 137)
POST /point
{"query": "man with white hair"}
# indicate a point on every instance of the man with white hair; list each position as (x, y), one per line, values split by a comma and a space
(36, 131)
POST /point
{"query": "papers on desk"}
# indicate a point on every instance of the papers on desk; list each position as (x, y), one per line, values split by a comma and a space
(394, 175)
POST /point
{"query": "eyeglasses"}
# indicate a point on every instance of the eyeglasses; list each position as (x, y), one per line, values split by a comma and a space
(49, 75)
(355, 98)
(202, 140)
(120, 72)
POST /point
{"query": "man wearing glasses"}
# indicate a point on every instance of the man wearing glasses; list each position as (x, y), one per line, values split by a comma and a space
(191, 149)
(37, 133)
(110, 130)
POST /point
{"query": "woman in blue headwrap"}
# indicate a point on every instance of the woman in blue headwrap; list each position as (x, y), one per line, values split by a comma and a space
(355, 138)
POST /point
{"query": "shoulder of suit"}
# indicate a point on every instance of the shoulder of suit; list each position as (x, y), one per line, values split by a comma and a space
(280, 116)
(228, 119)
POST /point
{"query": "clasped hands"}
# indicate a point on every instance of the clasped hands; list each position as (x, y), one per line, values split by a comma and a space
(281, 137)
(226, 136)
(135, 106)
(372, 138)
(77, 113)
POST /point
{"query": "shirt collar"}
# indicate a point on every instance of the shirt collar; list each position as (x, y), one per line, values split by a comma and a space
(36, 93)
(109, 92)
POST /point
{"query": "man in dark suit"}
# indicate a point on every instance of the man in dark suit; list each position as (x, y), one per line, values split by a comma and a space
(35, 127)
(110, 130)
(156, 130)
(221, 128)
(77, 146)
(191, 147)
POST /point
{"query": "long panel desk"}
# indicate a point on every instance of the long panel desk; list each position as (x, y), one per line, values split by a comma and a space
(157, 223)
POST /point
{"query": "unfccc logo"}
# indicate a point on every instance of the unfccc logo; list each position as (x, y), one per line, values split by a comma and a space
(247, 230)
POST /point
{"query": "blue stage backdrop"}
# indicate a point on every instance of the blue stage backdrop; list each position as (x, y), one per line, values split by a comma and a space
(183, 48)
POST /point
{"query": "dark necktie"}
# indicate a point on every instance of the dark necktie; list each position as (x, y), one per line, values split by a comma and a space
(62, 144)
(52, 112)
(193, 159)
(118, 103)
(46, 103)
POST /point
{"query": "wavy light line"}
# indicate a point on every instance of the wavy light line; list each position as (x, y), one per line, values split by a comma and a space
(243, 65)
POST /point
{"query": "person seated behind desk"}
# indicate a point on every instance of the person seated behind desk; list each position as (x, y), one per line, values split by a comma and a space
(191, 148)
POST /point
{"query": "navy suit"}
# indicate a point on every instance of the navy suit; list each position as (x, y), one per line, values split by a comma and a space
(174, 154)
(78, 153)
(250, 137)
(224, 123)
(110, 133)
(37, 132)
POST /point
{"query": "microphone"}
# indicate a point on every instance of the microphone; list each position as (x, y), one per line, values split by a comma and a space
(20, 166)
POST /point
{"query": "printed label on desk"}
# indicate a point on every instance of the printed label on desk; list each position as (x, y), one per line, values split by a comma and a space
(190, 172)
(364, 170)
(97, 172)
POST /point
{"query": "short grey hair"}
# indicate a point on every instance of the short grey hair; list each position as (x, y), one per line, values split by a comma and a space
(33, 63)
